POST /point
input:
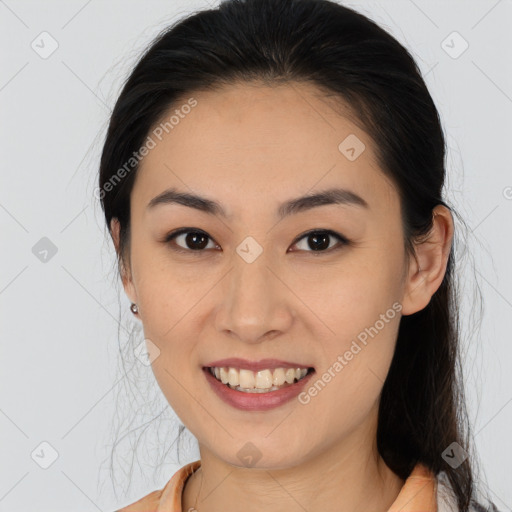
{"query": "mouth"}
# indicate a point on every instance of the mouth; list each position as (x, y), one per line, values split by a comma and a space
(257, 390)
(264, 380)
(257, 385)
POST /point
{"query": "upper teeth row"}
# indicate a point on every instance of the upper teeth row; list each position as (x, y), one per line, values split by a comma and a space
(263, 379)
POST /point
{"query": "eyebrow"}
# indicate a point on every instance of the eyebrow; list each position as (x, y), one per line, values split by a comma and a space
(332, 196)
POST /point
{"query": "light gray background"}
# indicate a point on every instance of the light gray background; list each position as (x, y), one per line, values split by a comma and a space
(59, 330)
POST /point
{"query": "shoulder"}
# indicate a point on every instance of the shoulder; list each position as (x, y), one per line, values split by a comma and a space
(168, 498)
(447, 501)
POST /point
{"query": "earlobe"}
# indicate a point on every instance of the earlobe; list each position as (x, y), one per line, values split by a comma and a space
(428, 268)
(124, 273)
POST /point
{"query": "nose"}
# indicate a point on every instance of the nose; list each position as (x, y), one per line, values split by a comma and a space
(256, 304)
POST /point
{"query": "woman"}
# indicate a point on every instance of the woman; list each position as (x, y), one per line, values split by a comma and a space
(272, 181)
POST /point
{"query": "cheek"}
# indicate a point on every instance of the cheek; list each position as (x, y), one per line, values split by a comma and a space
(169, 303)
(349, 298)
(361, 313)
(348, 385)
(168, 296)
(177, 389)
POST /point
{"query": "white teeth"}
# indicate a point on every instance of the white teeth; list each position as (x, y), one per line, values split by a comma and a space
(258, 382)
(263, 380)
(247, 378)
(278, 377)
(290, 375)
(224, 376)
(233, 377)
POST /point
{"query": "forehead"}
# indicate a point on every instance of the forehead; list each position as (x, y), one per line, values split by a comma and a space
(254, 140)
(241, 116)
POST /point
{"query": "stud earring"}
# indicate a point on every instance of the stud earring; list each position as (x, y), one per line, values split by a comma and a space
(134, 308)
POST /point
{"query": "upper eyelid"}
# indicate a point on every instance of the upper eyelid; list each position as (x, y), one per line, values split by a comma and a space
(170, 237)
(321, 230)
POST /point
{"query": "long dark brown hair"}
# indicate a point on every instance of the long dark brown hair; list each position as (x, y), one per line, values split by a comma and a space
(347, 56)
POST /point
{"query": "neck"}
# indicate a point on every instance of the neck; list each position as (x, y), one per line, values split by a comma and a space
(348, 477)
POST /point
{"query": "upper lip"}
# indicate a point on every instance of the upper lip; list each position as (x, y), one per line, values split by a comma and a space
(255, 366)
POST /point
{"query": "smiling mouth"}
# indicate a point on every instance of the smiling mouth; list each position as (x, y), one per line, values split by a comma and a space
(263, 381)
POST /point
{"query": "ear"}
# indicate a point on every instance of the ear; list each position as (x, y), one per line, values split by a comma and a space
(125, 273)
(427, 270)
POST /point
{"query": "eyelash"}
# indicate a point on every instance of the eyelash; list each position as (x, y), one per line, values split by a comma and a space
(171, 236)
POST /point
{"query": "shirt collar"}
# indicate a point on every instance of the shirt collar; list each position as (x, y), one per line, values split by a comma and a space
(418, 493)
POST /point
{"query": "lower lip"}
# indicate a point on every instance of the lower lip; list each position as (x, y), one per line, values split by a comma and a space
(256, 401)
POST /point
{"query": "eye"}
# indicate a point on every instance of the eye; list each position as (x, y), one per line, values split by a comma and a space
(318, 240)
(196, 240)
(193, 240)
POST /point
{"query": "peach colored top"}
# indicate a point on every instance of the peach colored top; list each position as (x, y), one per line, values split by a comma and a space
(418, 493)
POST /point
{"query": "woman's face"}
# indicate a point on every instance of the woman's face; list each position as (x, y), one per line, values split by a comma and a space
(255, 287)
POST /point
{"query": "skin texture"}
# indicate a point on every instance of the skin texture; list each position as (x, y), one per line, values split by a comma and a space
(252, 147)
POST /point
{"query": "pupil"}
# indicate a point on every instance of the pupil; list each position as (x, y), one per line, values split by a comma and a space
(324, 241)
(191, 239)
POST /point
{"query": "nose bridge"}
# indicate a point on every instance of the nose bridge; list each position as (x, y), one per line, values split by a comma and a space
(254, 304)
